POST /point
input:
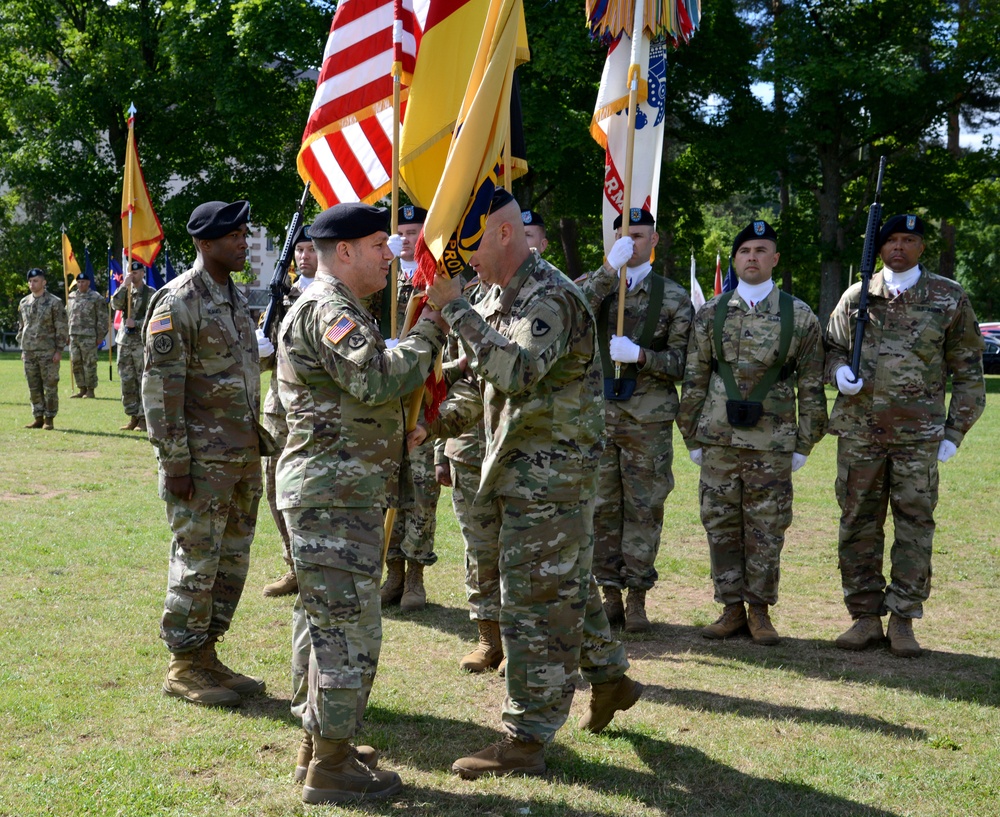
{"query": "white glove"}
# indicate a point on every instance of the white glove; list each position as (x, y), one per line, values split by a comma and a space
(798, 460)
(696, 455)
(621, 252)
(624, 350)
(395, 244)
(946, 450)
(846, 382)
(391, 343)
(264, 346)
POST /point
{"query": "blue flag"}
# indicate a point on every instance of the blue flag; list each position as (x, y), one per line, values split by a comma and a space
(153, 278)
(731, 281)
(115, 276)
(168, 268)
(88, 269)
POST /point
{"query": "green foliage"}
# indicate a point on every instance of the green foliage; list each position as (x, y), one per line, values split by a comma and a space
(978, 260)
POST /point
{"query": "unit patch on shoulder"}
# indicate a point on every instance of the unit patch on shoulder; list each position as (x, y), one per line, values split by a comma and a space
(356, 341)
(158, 325)
(163, 344)
(339, 329)
(539, 328)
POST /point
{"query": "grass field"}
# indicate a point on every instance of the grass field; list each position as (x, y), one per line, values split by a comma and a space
(724, 729)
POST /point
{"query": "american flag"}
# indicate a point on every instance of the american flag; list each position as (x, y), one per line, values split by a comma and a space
(347, 145)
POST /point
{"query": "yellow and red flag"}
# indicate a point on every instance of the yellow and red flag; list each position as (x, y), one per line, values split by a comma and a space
(71, 267)
(141, 230)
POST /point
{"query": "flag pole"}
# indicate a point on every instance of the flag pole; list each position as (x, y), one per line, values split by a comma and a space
(130, 187)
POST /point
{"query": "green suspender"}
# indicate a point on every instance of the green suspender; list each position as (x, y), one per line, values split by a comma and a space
(777, 370)
(630, 370)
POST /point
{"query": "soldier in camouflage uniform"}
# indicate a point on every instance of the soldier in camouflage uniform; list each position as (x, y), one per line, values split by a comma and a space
(531, 343)
(748, 444)
(635, 474)
(342, 390)
(411, 544)
(41, 334)
(88, 325)
(201, 394)
(132, 298)
(893, 429)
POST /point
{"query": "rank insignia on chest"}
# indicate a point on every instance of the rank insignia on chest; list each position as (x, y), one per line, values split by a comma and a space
(340, 329)
(160, 325)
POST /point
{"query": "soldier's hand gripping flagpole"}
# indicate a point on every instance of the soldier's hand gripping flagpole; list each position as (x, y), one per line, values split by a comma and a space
(867, 268)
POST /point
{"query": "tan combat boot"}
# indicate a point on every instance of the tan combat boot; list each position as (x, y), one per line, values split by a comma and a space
(489, 653)
(38, 422)
(131, 425)
(81, 393)
(185, 679)
(335, 775)
(285, 586)
(90, 394)
(732, 621)
(635, 612)
(608, 698)
(865, 632)
(414, 596)
(509, 756)
(614, 608)
(141, 424)
(392, 589)
(208, 660)
(502, 669)
(902, 642)
(366, 754)
(49, 423)
(761, 629)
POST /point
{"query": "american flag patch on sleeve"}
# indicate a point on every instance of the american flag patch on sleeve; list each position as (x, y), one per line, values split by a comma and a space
(160, 325)
(339, 330)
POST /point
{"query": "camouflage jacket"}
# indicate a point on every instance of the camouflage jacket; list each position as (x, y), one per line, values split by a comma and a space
(140, 306)
(794, 413)
(272, 402)
(201, 384)
(88, 315)
(342, 390)
(912, 344)
(655, 397)
(532, 346)
(41, 324)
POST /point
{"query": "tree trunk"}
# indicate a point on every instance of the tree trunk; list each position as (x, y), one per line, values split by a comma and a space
(946, 263)
(831, 236)
(569, 237)
(781, 115)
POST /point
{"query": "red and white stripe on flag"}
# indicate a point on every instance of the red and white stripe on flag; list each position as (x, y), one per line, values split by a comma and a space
(347, 145)
(609, 127)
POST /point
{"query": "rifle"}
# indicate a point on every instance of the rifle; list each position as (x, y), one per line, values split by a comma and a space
(276, 303)
(867, 268)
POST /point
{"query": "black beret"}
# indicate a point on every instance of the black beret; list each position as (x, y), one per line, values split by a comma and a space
(906, 223)
(531, 217)
(35, 272)
(350, 220)
(214, 219)
(411, 214)
(82, 277)
(755, 229)
(138, 265)
(304, 233)
(636, 216)
(501, 198)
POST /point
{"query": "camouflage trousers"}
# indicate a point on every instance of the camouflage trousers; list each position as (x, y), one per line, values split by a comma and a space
(43, 382)
(746, 506)
(480, 527)
(551, 616)
(278, 429)
(130, 361)
(870, 479)
(416, 522)
(210, 552)
(634, 480)
(337, 553)
(83, 358)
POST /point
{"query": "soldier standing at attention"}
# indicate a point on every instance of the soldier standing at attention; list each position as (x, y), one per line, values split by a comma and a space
(636, 473)
(893, 430)
(534, 230)
(342, 389)
(201, 393)
(41, 334)
(752, 408)
(88, 325)
(132, 298)
(531, 343)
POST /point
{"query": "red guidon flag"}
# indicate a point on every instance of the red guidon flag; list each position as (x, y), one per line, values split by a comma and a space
(347, 146)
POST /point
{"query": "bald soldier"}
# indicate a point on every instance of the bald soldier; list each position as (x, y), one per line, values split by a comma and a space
(88, 325)
(342, 390)
(41, 333)
(893, 430)
(201, 396)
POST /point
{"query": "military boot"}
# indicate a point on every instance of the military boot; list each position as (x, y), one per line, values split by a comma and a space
(392, 589)
(614, 608)
(761, 629)
(38, 422)
(502, 669)
(49, 423)
(866, 631)
(131, 425)
(90, 394)
(509, 756)
(208, 660)
(635, 612)
(185, 679)
(902, 642)
(335, 775)
(608, 698)
(489, 653)
(81, 393)
(285, 586)
(732, 621)
(366, 754)
(141, 424)
(414, 596)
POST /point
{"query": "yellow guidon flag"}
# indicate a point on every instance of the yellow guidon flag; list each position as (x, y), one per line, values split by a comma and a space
(141, 230)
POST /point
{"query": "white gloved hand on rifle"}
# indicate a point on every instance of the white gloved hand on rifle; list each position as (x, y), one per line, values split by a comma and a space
(264, 346)
(846, 382)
